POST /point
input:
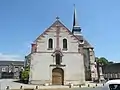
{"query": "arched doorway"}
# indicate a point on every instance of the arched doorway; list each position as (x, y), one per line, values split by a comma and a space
(58, 76)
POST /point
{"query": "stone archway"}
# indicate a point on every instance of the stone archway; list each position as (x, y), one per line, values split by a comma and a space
(58, 76)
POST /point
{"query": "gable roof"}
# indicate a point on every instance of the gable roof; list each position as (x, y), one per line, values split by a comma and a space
(12, 62)
(86, 43)
(58, 22)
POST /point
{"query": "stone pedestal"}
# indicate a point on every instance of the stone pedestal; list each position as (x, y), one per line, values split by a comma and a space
(101, 76)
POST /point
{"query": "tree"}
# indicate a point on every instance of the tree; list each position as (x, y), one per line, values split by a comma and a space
(111, 62)
(102, 60)
(25, 74)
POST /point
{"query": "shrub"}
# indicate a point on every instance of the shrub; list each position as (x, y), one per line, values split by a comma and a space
(24, 75)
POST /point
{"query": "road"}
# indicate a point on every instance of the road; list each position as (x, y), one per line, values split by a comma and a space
(13, 85)
(97, 88)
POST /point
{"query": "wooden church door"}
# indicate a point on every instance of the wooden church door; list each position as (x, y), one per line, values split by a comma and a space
(57, 76)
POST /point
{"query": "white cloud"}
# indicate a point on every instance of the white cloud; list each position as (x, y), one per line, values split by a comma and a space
(9, 57)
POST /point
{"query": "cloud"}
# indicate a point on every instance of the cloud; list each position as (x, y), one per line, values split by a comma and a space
(9, 57)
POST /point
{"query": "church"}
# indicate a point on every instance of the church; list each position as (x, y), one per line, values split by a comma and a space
(60, 56)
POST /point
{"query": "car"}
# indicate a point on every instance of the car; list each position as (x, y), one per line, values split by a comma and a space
(112, 85)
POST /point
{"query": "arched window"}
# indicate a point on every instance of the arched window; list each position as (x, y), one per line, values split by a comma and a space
(65, 44)
(50, 43)
(58, 58)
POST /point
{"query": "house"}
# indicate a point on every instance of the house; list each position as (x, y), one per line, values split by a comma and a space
(10, 69)
(111, 71)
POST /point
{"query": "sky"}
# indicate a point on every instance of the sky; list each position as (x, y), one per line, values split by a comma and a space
(21, 21)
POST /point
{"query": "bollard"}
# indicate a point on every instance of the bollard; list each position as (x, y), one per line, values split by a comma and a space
(21, 87)
(103, 84)
(36, 87)
(7, 88)
(69, 85)
(88, 85)
(79, 86)
(96, 85)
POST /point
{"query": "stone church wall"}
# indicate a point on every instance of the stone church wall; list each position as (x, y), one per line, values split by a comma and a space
(87, 64)
(40, 67)
(74, 70)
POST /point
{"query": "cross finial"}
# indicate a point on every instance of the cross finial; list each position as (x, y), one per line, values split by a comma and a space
(74, 5)
(57, 18)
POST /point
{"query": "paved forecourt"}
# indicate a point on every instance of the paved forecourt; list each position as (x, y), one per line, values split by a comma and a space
(14, 85)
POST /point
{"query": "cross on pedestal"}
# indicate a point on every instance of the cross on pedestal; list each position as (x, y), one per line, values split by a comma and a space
(57, 18)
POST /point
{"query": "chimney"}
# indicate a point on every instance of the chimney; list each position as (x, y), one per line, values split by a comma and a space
(34, 48)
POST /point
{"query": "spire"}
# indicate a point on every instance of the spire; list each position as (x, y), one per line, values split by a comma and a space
(75, 23)
(76, 28)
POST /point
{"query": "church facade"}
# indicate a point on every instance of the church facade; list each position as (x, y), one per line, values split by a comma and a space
(60, 56)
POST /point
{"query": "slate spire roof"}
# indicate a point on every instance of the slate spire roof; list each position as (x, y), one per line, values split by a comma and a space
(76, 28)
(75, 22)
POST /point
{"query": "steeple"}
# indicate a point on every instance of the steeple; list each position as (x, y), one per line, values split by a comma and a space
(76, 30)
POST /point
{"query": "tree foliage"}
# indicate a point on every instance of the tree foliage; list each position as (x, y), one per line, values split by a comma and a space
(25, 74)
(111, 62)
(103, 61)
